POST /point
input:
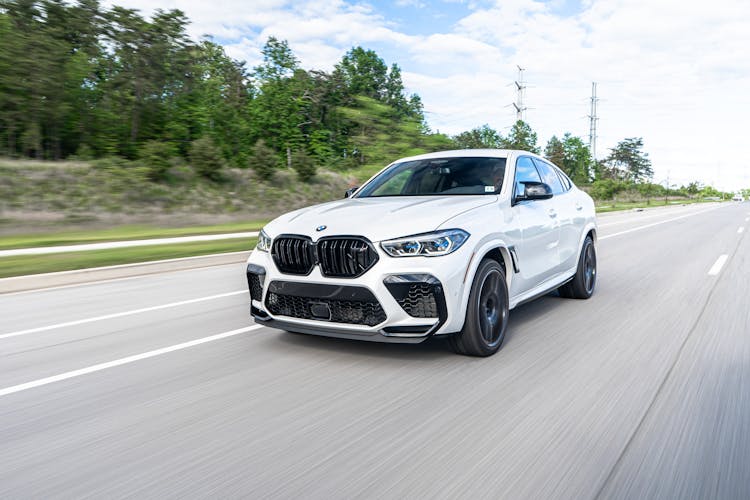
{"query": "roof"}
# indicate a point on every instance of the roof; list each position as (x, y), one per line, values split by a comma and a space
(458, 153)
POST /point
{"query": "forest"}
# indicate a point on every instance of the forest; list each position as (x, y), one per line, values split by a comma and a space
(81, 81)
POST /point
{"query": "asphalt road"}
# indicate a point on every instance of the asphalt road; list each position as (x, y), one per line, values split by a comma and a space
(160, 387)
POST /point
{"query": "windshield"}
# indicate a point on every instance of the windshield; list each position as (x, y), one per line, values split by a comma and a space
(438, 176)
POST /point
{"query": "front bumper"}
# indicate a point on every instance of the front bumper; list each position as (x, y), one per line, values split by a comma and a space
(385, 305)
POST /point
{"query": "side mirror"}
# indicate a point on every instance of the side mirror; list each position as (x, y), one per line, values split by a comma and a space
(535, 191)
(350, 191)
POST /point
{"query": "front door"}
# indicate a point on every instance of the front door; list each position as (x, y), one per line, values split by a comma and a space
(537, 249)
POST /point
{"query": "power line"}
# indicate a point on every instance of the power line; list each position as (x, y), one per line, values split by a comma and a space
(520, 88)
(592, 121)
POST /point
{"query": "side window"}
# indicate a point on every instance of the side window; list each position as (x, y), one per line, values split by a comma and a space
(566, 182)
(525, 171)
(549, 176)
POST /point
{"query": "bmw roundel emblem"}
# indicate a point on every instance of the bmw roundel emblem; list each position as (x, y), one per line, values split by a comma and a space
(321, 228)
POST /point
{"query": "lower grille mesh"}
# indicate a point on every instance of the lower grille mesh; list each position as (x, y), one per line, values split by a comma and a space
(357, 312)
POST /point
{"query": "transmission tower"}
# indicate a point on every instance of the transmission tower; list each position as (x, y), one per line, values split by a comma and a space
(520, 88)
(592, 121)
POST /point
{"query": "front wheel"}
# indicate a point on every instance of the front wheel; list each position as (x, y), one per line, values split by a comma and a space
(486, 313)
(583, 282)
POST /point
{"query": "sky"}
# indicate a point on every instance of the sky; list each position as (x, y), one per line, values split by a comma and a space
(674, 72)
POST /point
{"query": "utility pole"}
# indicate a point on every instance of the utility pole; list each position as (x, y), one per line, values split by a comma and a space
(592, 122)
(520, 87)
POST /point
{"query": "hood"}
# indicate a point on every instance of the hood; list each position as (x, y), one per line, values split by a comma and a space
(377, 219)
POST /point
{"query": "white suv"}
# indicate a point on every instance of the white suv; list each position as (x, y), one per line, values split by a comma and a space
(438, 244)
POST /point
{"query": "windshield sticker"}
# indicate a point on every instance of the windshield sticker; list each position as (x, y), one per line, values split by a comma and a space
(489, 189)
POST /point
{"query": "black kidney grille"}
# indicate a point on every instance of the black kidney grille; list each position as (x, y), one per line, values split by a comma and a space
(358, 312)
(293, 255)
(345, 257)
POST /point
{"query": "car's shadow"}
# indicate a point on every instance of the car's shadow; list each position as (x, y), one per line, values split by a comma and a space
(431, 349)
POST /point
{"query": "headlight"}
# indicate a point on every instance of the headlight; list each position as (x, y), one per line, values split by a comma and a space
(264, 242)
(426, 245)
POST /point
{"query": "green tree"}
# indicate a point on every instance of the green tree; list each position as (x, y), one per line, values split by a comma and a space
(263, 161)
(365, 73)
(156, 156)
(279, 62)
(484, 137)
(206, 158)
(628, 160)
(693, 188)
(521, 136)
(572, 155)
(577, 161)
(278, 108)
(555, 151)
(304, 165)
(394, 91)
(376, 138)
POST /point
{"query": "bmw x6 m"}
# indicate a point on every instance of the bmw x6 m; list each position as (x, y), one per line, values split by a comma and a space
(442, 244)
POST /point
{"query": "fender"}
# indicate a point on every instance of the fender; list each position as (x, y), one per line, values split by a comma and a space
(486, 245)
(589, 226)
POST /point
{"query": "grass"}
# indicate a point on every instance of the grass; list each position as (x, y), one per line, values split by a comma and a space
(36, 264)
(121, 233)
(603, 206)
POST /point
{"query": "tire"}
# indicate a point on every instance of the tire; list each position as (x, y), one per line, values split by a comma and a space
(486, 313)
(584, 281)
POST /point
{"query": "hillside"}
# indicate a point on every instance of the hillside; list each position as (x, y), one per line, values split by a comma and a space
(36, 195)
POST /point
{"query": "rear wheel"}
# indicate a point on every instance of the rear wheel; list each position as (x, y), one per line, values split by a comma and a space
(486, 313)
(583, 282)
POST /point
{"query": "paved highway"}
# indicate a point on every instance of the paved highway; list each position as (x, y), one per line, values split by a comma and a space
(160, 386)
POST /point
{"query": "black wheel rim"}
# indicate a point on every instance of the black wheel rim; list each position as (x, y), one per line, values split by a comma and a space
(491, 308)
(589, 269)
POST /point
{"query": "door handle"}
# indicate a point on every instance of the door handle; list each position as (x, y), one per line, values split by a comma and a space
(579, 207)
(552, 213)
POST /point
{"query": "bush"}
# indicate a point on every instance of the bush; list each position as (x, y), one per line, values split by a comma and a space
(155, 156)
(606, 189)
(206, 158)
(263, 161)
(84, 153)
(304, 165)
(111, 163)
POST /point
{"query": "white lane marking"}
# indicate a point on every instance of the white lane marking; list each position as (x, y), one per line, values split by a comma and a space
(740, 230)
(124, 244)
(635, 218)
(654, 224)
(716, 268)
(123, 361)
(118, 315)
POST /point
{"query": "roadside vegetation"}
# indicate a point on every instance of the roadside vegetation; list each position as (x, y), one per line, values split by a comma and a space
(35, 264)
(121, 233)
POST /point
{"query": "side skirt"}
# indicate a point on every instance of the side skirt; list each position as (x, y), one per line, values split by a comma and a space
(544, 288)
